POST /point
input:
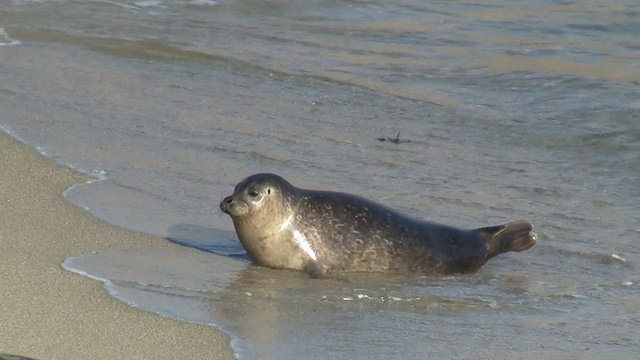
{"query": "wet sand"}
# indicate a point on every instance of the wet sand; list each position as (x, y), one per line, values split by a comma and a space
(47, 312)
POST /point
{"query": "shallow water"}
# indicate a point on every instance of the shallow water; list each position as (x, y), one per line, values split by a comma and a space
(511, 113)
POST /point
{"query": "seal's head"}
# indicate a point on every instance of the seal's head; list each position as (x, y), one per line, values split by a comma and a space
(258, 193)
(262, 208)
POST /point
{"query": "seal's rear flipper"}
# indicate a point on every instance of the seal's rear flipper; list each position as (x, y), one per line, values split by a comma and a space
(514, 236)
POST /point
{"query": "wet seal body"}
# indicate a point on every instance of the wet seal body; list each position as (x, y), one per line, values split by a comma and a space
(281, 226)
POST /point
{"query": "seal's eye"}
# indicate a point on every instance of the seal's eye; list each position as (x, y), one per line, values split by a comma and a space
(253, 193)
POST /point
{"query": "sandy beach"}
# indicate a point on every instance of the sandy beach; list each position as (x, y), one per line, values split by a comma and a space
(47, 312)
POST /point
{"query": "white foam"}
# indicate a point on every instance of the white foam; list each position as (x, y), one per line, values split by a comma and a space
(111, 288)
(29, 2)
(6, 40)
(202, 2)
(121, 5)
(148, 3)
(107, 283)
(99, 175)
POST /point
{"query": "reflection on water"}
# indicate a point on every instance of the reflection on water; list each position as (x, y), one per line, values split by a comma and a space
(277, 313)
(510, 111)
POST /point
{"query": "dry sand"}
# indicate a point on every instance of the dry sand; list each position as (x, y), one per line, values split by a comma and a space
(49, 313)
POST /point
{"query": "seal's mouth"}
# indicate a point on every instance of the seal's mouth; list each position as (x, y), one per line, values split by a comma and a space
(227, 204)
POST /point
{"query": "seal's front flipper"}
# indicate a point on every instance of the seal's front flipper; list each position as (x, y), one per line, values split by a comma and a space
(314, 269)
(514, 236)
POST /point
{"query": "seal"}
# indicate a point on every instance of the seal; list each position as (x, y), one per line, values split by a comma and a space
(285, 227)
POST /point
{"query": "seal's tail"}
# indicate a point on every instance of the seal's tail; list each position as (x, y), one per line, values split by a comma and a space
(514, 236)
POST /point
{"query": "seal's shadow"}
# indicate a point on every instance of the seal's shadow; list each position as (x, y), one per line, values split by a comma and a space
(220, 242)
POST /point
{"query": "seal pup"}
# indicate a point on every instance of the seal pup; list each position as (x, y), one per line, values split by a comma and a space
(285, 227)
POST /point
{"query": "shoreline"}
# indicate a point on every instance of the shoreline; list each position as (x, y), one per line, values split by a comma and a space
(47, 312)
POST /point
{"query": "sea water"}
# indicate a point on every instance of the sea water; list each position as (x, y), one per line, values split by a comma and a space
(505, 110)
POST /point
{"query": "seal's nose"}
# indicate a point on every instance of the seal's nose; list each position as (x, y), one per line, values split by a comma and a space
(224, 205)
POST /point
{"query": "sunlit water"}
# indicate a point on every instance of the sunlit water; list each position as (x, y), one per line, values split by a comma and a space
(510, 111)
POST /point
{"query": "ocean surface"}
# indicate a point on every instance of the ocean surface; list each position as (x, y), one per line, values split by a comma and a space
(506, 110)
